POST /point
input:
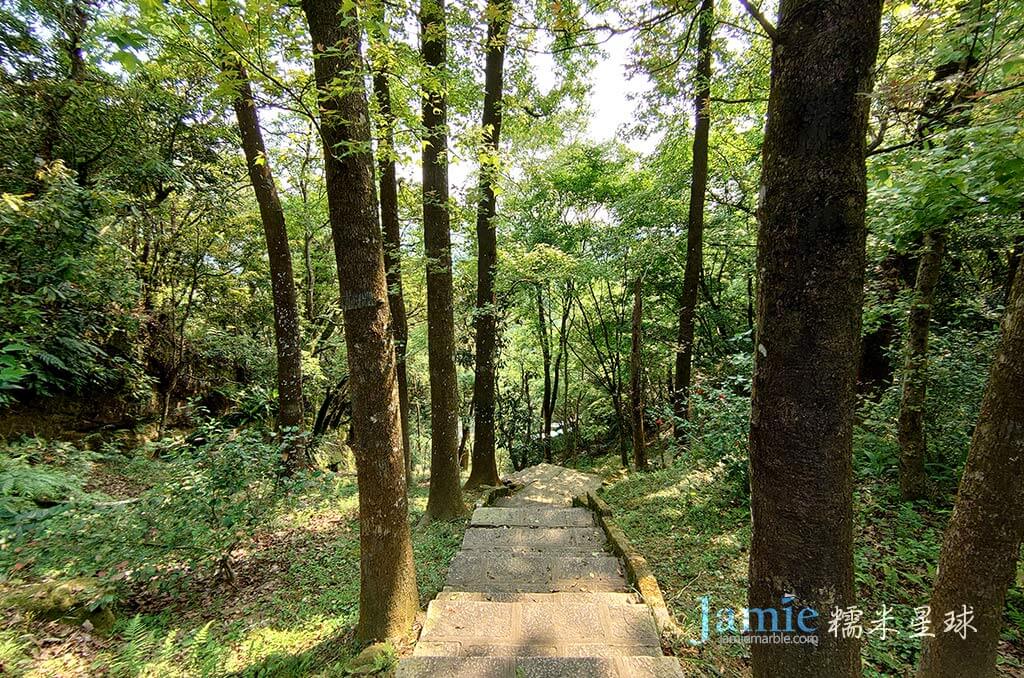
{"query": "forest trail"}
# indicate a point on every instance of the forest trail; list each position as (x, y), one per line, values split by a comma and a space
(534, 592)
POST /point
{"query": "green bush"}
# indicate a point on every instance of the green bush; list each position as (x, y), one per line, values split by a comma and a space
(65, 298)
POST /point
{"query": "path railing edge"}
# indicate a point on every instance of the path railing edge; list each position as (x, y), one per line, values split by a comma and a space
(638, 571)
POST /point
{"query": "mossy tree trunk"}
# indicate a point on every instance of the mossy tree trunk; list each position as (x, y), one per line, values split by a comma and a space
(485, 468)
(445, 499)
(388, 598)
(913, 443)
(982, 543)
(810, 293)
(287, 330)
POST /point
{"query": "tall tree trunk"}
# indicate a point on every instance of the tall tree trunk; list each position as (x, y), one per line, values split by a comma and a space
(287, 332)
(445, 499)
(561, 354)
(636, 384)
(545, 348)
(485, 467)
(982, 543)
(942, 107)
(388, 599)
(913, 445)
(393, 249)
(695, 221)
(810, 259)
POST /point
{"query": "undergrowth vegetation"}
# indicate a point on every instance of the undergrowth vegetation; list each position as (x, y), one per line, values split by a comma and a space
(691, 519)
(211, 561)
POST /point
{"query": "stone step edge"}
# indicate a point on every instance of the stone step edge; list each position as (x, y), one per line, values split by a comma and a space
(551, 598)
(438, 646)
(638, 572)
(511, 667)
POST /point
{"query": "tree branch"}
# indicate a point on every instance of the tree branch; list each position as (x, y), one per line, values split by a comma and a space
(773, 34)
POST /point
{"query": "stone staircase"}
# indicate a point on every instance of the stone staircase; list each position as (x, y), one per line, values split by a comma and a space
(534, 593)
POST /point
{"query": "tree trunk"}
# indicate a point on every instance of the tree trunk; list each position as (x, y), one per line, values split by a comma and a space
(393, 250)
(982, 543)
(810, 259)
(940, 102)
(695, 221)
(287, 332)
(445, 499)
(545, 347)
(636, 384)
(913, 445)
(485, 466)
(388, 599)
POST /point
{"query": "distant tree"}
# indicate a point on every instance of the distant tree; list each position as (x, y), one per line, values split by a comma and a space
(388, 598)
(946, 104)
(810, 263)
(636, 383)
(695, 222)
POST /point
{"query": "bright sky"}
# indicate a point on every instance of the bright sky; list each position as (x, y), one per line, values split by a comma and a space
(610, 103)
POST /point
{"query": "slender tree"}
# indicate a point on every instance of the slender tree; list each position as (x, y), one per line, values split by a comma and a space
(810, 262)
(982, 543)
(445, 499)
(485, 468)
(695, 220)
(913, 446)
(636, 377)
(388, 598)
(393, 243)
(287, 332)
(544, 335)
(946, 105)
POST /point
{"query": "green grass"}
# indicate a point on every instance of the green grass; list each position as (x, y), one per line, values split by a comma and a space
(688, 522)
(291, 609)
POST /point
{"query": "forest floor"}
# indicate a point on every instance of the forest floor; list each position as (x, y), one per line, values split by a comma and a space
(290, 610)
(694, 528)
(293, 602)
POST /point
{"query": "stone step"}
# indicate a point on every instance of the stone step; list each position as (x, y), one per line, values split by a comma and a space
(491, 538)
(592, 598)
(539, 667)
(531, 629)
(490, 516)
(487, 571)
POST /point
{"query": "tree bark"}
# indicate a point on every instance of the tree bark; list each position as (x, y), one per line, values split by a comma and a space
(287, 332)
(445, 499)
(388, 598)
(485, 467)
(545, 348)
(636, 378)
(913, 444)
(695, 222)
(393, 249)
(810, 262)
(982, 543)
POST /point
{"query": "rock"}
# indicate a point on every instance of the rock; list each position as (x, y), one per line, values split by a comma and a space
(374, 658)
(80, 602)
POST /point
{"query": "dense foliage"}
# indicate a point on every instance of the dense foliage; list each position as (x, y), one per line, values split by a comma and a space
(138, 390)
